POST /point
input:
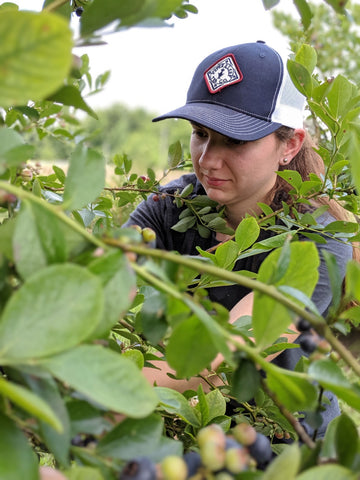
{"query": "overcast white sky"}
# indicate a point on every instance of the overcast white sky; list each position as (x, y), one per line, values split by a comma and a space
(153, 67)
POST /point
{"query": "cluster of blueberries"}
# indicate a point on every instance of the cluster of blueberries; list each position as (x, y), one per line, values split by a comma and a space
(219, 456)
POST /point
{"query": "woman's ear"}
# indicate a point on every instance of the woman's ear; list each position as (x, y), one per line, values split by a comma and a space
(293, 145)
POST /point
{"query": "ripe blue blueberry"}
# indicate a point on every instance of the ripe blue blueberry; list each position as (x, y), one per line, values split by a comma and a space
(193, 462)
(141, 468)
(261, 450)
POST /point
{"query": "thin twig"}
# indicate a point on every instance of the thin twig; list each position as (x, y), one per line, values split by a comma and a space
(299, 429)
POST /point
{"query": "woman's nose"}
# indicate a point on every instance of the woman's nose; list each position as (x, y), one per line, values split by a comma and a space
(210, 156)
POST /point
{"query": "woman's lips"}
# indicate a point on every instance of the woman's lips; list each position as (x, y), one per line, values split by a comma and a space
(214, 181)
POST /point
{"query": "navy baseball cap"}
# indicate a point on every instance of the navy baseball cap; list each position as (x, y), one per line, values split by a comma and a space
(243, 92)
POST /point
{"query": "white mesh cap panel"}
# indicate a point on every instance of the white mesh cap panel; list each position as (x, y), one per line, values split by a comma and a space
(289, 108)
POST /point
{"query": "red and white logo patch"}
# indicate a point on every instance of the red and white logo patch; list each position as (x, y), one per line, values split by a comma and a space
(223, 73)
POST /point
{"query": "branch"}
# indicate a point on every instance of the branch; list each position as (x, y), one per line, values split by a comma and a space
(55, 4)
(299, 429)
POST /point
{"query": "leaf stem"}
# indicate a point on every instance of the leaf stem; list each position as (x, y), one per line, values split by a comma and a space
(55, 4)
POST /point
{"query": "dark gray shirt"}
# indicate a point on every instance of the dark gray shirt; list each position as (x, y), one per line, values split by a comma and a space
(162, 214)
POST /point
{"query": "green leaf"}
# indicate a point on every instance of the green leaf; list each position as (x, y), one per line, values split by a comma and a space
(175, 154)
(57, 442)
(30, 402)
(17, 460)
(293, 177)
(273, 242)
(305, 13)
(85, 418)
(202, 407)
(270, 317)
(326, 472)
(18, 155)
(216, 404)
(226, 255)
(306, 55)
(285, 466)
(71, 96)
(337, 5)
(12, 148)
(133, 438)
(119, 286)
(38, 239)
(339, 226)
(187, 190)
(338, 95)
(346, 441)
(100, 13)
(83, 473)
(105, 377)
(322, 111)
(335, 278)
(57, 308)
(184, 224)
(29, 68)
(352, 284)
(268, 4)
(175, 403)
(153, 314)
(85, 179)
(354, 155)
(213, 328)
(245, 381)
(291, 388)
(190, 339)
(246, 233)
(300, 77)
(330, 377)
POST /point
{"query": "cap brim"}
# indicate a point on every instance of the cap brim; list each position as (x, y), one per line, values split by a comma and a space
(223, 120)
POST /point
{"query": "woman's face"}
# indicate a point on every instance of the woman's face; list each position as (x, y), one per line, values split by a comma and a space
(235, 173)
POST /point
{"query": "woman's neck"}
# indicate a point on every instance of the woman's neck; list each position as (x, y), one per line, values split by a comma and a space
(235, 213)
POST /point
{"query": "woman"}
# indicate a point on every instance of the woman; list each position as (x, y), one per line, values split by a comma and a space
(247, 121)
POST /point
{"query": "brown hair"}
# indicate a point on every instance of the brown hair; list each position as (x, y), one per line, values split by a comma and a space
(305, 162)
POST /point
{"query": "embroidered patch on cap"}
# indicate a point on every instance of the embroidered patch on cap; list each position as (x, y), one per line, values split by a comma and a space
(223, 73)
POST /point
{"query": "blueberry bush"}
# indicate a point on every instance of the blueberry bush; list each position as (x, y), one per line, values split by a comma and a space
(85, 305)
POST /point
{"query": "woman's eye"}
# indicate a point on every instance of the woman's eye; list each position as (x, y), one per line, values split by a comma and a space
(233, 141)
(199, 133)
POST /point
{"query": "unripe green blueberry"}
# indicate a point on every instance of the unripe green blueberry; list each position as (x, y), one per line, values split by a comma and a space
(212, 443)
(335, 357)
(224, 475)
(324, 346)
(236, 460)
(212, 456)
(244, 433)
(211, 433)
(174, 468)
(26, 174)
(148, 234)
(137, 228)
